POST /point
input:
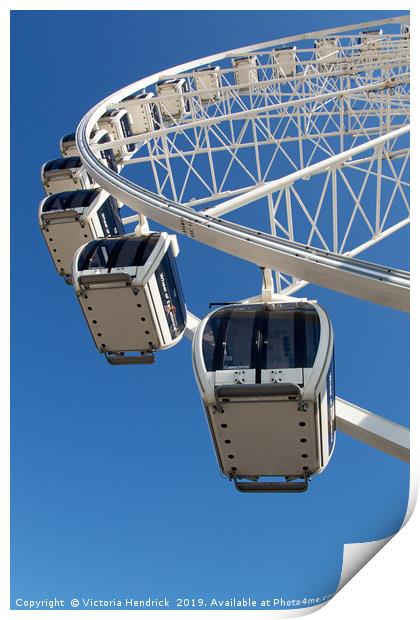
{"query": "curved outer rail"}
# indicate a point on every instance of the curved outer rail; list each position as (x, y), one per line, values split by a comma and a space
(375, 283)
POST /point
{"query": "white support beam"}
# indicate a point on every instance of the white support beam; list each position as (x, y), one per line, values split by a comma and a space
(192, 322)
(369, 131)
(324, 165)
(130, 219)
(373, 430)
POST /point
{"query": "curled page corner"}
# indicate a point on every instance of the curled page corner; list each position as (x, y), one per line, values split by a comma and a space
(413, 495)
(356, 556)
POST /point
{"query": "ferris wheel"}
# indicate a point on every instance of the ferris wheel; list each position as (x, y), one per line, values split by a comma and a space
(312, 133)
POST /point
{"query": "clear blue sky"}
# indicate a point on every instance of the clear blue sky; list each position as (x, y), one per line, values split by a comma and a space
(115, 486)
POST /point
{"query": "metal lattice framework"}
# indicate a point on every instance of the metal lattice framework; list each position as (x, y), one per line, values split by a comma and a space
(316, 139)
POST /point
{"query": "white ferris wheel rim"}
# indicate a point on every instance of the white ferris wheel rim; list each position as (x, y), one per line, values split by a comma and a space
(340, 272)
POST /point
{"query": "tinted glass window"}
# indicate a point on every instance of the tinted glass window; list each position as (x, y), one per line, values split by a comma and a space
(239, 340)
(331, 404)
(176, 280)
(94, 256)
(82, 198)
(56, 202)
(262, 338)
(133, 252)
(210, 335)
(70, 137)
(171, 293)
(229, 339)
(155, 116)
(109, 218)
(70, 200)
(185, 89)
(108, 154)
(126, 126)
(72, 162)
(63, 163)
(127, 132)
(292, 337)
(109, 158)
(128, 252)
(281, 340)
(312, 328)
(49, 165)
(118, 252)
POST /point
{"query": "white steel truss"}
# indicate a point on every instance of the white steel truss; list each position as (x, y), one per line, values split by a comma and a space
(234, 140)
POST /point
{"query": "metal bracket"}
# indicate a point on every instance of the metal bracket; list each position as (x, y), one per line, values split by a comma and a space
(272, 487)
(121, 279)
(267, 291)
(374, 430)
(120, 359)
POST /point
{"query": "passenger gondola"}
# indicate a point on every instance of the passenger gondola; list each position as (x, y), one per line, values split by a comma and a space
(370, 43)
(116, 123)
(131, 295)
(71, 219)
(143, 113)
(266, 376)
(207, 83)
(173, 102)
(405, 30)
(68, 145)
(245, 72)
(65, 175)
(284, 62)
(326, 51)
